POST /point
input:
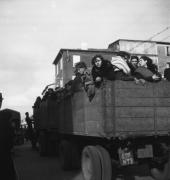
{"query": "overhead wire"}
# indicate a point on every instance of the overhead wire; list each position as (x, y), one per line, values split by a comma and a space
(149, 39)
(159, 40)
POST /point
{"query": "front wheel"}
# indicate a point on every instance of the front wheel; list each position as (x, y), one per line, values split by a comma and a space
(90, 164)
(65, 155)
(106, 164)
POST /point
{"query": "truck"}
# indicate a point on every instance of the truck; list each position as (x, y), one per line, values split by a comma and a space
(125, 125)
(15, 121)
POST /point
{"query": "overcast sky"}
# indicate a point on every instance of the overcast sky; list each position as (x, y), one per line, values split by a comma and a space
(32, 32)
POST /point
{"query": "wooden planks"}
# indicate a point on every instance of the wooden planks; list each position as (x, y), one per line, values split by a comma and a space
(120, 108)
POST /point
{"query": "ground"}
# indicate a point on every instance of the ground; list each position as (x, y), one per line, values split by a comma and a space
(30, 166)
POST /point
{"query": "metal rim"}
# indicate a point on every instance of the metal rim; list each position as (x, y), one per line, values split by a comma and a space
(87, 167)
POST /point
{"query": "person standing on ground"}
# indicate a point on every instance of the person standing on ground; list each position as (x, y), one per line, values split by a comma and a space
(28, 120)
(31, 133)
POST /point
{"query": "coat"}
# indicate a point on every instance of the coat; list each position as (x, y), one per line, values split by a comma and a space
(105, 71)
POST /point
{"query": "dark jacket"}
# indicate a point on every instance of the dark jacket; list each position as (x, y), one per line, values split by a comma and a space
(105, 71)
(80, 81)
(146, 74)
(132, 68)
(120, 75)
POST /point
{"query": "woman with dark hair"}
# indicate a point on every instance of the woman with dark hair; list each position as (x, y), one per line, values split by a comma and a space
(101, 69)
(147, 70)
(152, 67)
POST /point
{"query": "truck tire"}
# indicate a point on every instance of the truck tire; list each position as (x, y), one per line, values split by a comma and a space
(65, 155)
(90, 164)
(76, 156)
(162, 175)
(106, 164)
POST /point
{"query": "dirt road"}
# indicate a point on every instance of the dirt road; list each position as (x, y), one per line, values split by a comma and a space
(30, 166)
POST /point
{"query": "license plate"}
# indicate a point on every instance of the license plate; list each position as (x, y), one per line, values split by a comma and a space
(126, 157)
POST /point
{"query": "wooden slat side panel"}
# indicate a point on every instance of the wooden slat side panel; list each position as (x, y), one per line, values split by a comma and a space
(132, 85)
(134, 119)
(120, 107)
(78, 107)
(68, 116)
(134, 93)
(94, 115)
(138, 102)
(163, 124)
(162, 102)
(78, 121)
(162, 89)
(163, 118)
(153, 108)
(134, 124)
(140, 112)
(43, 115)
(99, 122)
(98, 116)
(52, 114)
(61, 116)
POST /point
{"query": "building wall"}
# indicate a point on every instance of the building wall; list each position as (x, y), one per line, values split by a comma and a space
(134, 47)
(163, 56)
(137, 47)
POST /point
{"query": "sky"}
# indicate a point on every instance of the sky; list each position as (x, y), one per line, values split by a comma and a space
(32, 32)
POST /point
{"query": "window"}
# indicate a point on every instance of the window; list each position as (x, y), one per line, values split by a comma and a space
(76, 59)
(61, 83)
(168, 50)
(57, 70)
(61, 63)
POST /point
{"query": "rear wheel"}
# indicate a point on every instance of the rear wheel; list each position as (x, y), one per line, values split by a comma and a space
(65, 155)
(76, 156)
(91, 165)
(106, 164)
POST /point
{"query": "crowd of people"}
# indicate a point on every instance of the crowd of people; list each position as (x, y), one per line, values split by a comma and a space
(122, 66)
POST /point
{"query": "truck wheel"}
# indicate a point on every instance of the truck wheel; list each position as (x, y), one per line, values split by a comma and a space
(76, 156)
(91, 165)
(162, 175)
(65, 155)
(106, 164)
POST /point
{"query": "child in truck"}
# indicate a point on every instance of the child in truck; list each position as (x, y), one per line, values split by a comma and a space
(83, 80)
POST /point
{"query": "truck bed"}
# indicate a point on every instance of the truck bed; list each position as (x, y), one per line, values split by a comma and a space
(120, 108)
